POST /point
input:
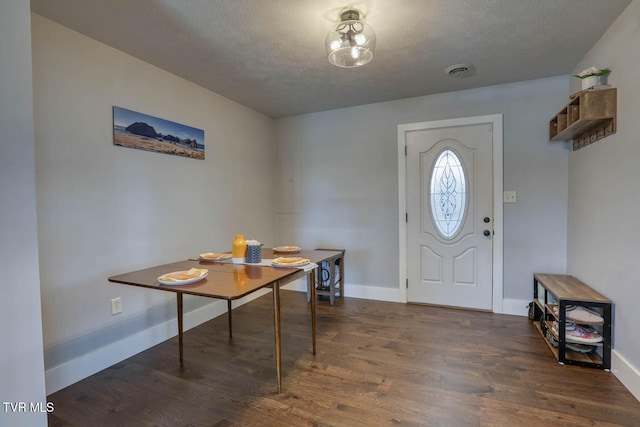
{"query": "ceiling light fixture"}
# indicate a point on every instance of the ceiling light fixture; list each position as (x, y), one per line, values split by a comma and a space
(351, 42)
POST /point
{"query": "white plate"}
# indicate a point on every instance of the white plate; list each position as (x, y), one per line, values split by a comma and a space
(192, 276)
(287, 249)
(302, 262)
(219, 257)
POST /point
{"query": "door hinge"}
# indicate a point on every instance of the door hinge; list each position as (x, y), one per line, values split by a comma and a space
(407, 286)
(405, 150)
(406, 217)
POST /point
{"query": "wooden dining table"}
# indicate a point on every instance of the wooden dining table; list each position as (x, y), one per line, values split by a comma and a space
(229, 282)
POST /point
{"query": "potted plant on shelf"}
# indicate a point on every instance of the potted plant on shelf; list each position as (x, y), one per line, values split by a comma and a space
(593, 76)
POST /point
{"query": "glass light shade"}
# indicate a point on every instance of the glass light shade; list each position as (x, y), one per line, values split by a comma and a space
(350, 43)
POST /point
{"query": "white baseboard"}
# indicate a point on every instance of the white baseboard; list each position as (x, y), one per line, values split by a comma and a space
(355, 291)
(628, 375)
(74, 370)
(517, 307)
(299, 285)
(373, 293)
(509, 306)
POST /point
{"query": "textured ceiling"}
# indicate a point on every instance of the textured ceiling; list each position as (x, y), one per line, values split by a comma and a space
(269, 54)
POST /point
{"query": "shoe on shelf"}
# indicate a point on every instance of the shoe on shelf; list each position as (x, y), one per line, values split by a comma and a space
(579, 334)
(584, 335)
(568, 326)
(580, 314)
(580, 348)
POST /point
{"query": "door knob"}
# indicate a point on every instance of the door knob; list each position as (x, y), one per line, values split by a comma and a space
(487, 219)
(486, 233)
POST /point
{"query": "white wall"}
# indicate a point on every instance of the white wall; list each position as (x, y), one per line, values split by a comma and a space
(604, 201)
(338, 182)
(21, 363)
(104, 210)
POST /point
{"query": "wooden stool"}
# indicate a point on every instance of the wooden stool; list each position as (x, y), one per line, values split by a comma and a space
(336, 284)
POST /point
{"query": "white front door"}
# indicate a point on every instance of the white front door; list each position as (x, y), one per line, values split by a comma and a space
(449, 194)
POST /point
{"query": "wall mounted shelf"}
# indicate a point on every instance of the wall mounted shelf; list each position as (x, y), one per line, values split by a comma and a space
(587, 118)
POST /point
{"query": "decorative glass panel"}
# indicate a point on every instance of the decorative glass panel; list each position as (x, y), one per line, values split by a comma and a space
(448, 194)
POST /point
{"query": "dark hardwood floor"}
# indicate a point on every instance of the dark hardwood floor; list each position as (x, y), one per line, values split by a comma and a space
(377, 364)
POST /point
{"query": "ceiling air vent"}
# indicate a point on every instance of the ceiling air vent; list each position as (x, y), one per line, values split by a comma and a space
(460, 70)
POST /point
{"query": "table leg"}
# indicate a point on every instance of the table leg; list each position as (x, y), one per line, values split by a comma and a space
(276, 328)
(332, 281)
(341, 269)
(229, 315)
(179, 302)
(311, 278)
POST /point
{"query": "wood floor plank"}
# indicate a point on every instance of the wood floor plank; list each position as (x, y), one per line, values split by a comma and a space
(377, 364)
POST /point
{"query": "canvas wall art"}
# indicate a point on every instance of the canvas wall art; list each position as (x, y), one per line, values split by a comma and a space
(143, 132)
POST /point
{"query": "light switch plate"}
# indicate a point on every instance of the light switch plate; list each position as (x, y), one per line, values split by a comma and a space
(509, 197)
(116, 306)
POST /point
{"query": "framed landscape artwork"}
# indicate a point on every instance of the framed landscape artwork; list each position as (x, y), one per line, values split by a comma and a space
(144, 132)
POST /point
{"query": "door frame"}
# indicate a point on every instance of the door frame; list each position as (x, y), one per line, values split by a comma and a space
(498, 241)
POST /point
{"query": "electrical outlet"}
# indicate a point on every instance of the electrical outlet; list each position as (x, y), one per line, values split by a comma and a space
(116, 305)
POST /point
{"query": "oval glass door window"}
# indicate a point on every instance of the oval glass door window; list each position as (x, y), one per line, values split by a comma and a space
(448, 194)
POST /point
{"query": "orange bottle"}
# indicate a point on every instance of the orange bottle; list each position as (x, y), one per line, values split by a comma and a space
(239, 249)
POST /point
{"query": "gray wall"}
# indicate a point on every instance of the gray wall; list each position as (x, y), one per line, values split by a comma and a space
(104, 210)
(338, 181)
(21, 364)
(604, 202)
